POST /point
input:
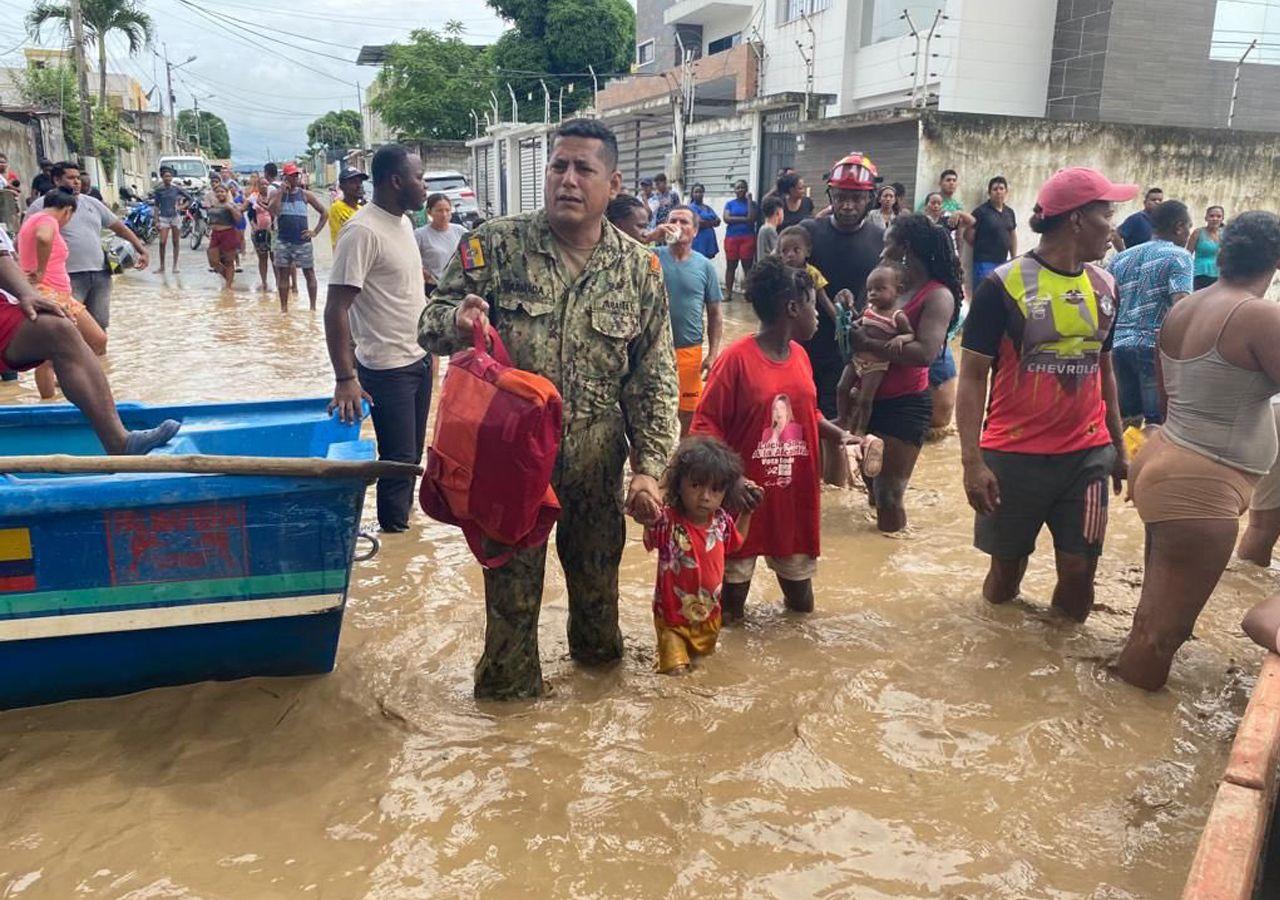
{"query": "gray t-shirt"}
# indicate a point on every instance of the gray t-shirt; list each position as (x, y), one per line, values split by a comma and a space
(766, 241)
(438, 247)
(83, 233)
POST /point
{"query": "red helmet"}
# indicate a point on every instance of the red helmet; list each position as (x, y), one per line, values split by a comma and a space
(856, 172)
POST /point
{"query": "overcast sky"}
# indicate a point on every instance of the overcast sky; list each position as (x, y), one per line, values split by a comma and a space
(251, 70)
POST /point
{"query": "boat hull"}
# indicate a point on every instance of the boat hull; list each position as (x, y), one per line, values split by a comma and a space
(120, 583)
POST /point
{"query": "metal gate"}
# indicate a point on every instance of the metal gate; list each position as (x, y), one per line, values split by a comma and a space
(644, 147)
(532, 166)
(484, 163)
(498, 178)
(777, 146)
(717, 161)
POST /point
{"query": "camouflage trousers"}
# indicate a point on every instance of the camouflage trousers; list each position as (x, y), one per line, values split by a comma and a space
(589, 538)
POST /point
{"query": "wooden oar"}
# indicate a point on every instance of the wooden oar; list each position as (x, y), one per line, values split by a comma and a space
(200, 464)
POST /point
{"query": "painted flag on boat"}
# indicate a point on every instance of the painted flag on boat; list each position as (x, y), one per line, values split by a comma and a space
(17, 567)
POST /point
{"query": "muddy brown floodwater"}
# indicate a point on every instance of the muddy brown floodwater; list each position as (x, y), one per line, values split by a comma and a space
(905, 740)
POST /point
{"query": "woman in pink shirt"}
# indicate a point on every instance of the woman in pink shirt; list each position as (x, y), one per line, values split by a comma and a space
(42, 254)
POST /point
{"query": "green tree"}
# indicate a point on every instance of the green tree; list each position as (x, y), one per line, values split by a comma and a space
(101, 18)
(334, 133)
(54, 87)
(210, 133)
(562, 38)
(428, 87)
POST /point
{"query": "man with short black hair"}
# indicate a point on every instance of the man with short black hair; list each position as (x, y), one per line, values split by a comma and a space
(370, 321)
(948, 182)
(580, 303)
(994, 232)
(86, 261)
(1137, 228)
(1150, 278)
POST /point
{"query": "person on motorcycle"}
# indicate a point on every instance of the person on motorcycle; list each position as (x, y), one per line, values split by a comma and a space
(169, 201)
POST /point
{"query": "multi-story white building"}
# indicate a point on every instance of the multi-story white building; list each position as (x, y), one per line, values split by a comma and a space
(985, 56)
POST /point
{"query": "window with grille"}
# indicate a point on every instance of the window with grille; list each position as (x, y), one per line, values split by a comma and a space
(794, 9)
(645, 52)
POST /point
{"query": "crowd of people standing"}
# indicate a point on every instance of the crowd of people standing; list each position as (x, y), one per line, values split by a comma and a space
(1068, 360)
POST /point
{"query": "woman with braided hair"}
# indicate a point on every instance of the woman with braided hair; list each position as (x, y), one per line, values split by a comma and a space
(902, 410)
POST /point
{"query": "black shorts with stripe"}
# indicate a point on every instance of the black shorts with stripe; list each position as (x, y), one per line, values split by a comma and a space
(1068, 492)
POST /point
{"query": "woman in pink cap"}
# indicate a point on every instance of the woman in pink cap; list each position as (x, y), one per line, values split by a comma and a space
(1038, 337)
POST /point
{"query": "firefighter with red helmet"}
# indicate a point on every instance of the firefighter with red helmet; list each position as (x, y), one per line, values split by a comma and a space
(845, 252)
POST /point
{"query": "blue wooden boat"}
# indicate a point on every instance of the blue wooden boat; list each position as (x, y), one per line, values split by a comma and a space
(113, 583)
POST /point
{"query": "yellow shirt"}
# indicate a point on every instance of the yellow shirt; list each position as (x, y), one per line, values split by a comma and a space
(339, 213)
(819, 280)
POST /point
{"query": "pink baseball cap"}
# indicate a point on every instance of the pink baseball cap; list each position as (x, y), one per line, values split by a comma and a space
(1073, 188)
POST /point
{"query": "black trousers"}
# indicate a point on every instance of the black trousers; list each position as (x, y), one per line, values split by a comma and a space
(401, 400)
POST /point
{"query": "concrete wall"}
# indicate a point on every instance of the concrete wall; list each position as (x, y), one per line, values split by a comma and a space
(443, 155)
(983, 70)
(1082, 32)
(17, 142)
(892, 146)
(785, 69)
(1158, 70)
(1238, 170)
(649, 25)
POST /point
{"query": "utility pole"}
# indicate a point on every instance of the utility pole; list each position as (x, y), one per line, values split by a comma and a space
(360, 106)
(595, 89)
(196, 101)
(173, 98)
(1235, 83)
(82, 74)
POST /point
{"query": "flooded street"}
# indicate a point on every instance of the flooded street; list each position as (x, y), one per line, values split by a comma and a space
(906, 740)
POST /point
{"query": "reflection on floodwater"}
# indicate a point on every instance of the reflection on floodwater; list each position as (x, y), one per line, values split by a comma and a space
(906, 740)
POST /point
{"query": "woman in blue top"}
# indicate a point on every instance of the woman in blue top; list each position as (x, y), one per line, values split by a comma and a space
(1203, 244)
(739, 236)
(705, 241)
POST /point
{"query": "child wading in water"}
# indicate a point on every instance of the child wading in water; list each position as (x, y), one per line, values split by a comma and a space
(761, 401)
(692, 534)
(883, 321)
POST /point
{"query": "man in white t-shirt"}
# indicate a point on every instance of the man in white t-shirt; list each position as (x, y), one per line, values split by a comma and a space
(371, 324)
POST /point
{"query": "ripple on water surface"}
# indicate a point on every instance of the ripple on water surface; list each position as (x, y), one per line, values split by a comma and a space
(906, 740)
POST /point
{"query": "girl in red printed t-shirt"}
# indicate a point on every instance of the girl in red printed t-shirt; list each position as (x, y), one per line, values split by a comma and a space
(692, 534)
(761, 401)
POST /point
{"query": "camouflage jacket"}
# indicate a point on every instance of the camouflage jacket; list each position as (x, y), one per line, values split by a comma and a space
(604, 339)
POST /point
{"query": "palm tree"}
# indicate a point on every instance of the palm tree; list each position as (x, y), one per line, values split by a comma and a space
(101, 17)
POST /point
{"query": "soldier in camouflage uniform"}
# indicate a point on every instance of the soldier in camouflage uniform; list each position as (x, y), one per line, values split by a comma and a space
(581, 304)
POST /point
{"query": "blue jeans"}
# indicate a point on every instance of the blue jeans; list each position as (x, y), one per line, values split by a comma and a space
(981, 270)
(401, 399)
(1135, 369)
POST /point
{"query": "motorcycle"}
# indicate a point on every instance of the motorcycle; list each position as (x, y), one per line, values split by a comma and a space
(141, 220)
(195, 223)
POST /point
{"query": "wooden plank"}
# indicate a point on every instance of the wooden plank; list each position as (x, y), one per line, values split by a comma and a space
(1230, 851)
(200, 464)
(1256, 749)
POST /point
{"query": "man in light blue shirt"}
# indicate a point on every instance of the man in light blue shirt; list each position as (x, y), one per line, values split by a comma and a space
(693, 288)
(1150, 278)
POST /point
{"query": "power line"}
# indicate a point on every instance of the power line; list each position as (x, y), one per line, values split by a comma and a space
(258, 46)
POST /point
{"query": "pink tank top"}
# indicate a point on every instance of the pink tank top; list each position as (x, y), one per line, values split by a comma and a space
(902, 380)
(55, 273)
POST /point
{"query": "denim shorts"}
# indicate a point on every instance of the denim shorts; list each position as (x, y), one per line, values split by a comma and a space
(942, 369)
(1136, 382)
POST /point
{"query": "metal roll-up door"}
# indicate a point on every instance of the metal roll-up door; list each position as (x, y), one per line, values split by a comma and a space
(498, 178)
(484, 159)
(529, 180)
(644, 147)
(718, 160)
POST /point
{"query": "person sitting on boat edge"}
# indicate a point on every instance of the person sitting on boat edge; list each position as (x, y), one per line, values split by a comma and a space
(34, 329)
